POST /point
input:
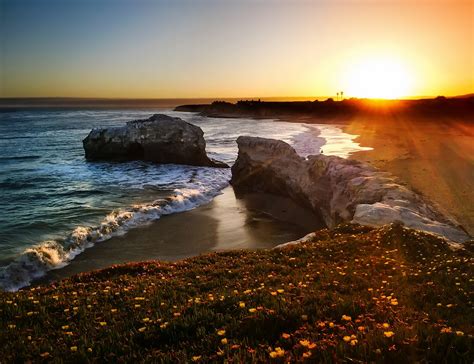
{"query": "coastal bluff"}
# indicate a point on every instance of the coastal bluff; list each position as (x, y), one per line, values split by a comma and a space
(160, 139)
(339, 190)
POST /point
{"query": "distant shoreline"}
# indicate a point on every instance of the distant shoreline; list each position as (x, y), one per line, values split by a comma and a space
(8, 104)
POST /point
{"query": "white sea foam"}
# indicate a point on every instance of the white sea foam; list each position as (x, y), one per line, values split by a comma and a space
(35, 261)
(337, 142)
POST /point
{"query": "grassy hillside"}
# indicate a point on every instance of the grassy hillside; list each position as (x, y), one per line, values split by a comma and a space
(352, 294)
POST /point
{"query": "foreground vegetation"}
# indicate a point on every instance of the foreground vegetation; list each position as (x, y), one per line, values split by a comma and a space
(352, 294)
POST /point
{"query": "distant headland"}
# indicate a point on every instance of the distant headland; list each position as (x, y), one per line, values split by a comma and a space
(329, 110)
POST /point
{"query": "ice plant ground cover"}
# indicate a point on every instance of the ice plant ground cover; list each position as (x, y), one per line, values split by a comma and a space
(351, 294)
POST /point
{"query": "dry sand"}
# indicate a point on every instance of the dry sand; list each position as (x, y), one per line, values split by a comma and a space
(434, 158)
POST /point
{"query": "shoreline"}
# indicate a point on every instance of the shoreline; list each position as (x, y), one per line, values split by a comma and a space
(207, 215)
(256, 221)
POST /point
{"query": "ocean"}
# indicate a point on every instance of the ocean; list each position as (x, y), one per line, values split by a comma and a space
(55, 204)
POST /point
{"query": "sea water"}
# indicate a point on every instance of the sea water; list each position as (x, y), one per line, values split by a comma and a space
(55, 204)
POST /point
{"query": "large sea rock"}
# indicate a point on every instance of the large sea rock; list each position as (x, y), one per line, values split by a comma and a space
(160, 139)
(339, 190)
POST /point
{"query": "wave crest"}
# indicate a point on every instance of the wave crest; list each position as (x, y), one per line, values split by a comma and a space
(36, 261)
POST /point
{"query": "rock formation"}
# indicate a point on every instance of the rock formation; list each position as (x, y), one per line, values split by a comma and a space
(340, 190)
(160, 139)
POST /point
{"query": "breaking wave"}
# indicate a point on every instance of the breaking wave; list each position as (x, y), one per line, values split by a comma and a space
(37, 260)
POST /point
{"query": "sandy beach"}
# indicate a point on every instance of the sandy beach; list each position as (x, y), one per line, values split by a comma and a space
(256, 221)
(433, 157)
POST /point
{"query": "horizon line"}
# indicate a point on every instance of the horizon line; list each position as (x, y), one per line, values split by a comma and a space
(220, 97)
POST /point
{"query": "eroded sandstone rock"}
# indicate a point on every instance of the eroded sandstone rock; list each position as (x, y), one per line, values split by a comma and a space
(160, 139)
(339, 190)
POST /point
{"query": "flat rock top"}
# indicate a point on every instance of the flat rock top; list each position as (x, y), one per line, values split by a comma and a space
(160, 119)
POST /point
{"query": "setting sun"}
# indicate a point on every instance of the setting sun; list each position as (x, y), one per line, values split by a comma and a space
(378, 77)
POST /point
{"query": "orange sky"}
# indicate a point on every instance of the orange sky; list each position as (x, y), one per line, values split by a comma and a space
(207, 48)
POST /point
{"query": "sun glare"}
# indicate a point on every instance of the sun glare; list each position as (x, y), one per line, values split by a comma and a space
(383, 78)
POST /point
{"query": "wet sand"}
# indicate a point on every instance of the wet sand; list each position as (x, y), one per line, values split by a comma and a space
(227, 223)
(433, 157)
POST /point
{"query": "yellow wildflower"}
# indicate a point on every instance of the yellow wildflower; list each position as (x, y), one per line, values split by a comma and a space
(459, 333)
(252, 310)
(346, 318)
(221, 332)
(385, 325)
(280, 290)
(73, 348)
(304, 343)
(307, 354)
(285, 335)
(278, 352)
(388, 333)
(354, 342)
(241, 304)
(141, 329)
(346, 339)
(224, 341)
(103, 323)
(196, 358)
